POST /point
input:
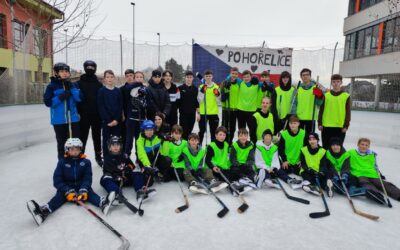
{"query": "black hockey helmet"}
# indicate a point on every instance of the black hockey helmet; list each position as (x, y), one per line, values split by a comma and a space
(60, 66)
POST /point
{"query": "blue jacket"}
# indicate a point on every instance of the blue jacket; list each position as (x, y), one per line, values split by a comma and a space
(58, 108)
(72, 174)
(109, 104)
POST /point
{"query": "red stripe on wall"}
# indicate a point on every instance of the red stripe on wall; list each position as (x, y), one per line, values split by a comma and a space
(380, 38)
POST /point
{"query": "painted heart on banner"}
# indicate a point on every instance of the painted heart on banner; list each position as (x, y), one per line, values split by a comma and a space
(219, 51)
(254, 68)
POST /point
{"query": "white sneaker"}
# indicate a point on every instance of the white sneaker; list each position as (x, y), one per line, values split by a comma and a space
(310, 189)
(246, 181)
(259, 180)
(329, 188)
(108, 202)
(294, 183)
(196, 188)
(272, 183)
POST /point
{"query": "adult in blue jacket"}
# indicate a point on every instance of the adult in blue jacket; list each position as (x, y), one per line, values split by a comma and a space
(61, 96)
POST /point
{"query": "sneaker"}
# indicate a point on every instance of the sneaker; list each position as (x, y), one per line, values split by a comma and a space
(142, 195)
(329, 188)
(294, 183)
(248, 182)
(39, 214)
(216, 186)
(272, 183)
(194, 187)
(259, 178)
(310, 189)
(108, 202)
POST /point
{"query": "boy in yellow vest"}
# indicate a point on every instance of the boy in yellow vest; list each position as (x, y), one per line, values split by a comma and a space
(290, 144)
(193, 157)
(207, 97)
(262, 120)
(363, 166)
(217, 159)
(229, 101)
(267, 88)
(313, 165)
(247, 102)
(173, 150)
(334, 113)
(268, 165)
(284, 96)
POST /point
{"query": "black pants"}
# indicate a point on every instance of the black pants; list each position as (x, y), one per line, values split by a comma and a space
(172, 117)
(292, 169)
(132, 131)
(93, 122)
(229, 118)
(163, 164)
(187, 122)
(328, 133)
(107, 133)
(308, 126)
(213, 121)
(244, 118)
(62, 134)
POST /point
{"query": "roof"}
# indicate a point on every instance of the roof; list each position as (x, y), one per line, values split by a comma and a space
(44, 7)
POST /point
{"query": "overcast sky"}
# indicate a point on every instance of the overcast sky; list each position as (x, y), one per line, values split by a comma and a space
(281, 23)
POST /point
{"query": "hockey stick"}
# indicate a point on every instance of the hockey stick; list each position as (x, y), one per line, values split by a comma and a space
(383, 186)
(313, 112)
(293, 198)
(186, 206)
(125, 243)
(355, 210)
(291, 104)
(242, 208)
(325, 213)
(225, 209)
(123, 199)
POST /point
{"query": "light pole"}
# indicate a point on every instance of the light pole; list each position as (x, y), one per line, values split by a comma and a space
(159, 49)
(66, 46)
(133, 35)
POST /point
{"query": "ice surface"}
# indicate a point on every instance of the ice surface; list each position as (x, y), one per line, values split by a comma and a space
(271, 222)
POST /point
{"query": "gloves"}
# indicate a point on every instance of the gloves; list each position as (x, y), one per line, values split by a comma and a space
(224, 97)
(67, 85)
(83, 194)
(64, 95)
(312, 172)
(318, 93)
(345, 178)
(203, 89)
(254, 80)
(149, 170)
(216, 92)
(71, 195)
(227, 85)
(141, 92)
(166, 137)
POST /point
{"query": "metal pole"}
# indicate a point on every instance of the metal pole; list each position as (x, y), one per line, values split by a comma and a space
(13, 53)
(133, 35)
(334, 56)
(377, 91)
(159, 49)
(120, 43)
(66, 46)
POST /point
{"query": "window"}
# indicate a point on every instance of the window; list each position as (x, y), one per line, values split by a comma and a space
(367, 41)
(352, 7)
(45, 77)
(396, 39)
(20, 29)
(40, 39)
(360, 43)
(389, 36)
(3, 29)
(374, 40)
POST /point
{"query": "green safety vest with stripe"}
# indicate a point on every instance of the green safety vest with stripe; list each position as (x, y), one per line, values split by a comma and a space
(305, 104)
(174, 151)
(313, 161)
(283, 101)
(337, 162)
(267, 155)
(247, 100)
(261, 95)
(362, 165)
(334, 110)
(221, 156)
(293, 145)
(242, 154)
(263, 124)
(211, 101)
(195, 160)
(232, 101)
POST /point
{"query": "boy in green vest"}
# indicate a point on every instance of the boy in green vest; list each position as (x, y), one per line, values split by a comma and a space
(268, 165)
(217, 159)
(306, 99)
(207, 97)
(267, 88)
(242, 158)
(334, 113)
(363, 166)
(229, 101)
(193, 157)
(148, 146)
(247, 102)
(284, 97)
(290, 144)
(313, 165)
(173, 150)
(262, 120)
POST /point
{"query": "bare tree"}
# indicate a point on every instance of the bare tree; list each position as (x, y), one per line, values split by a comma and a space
(75, 14)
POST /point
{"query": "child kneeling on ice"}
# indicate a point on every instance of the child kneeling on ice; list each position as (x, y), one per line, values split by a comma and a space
(119, 170)
(268, 165)
(363, 165)
(193, 157)
(313, 167)
(73, 179)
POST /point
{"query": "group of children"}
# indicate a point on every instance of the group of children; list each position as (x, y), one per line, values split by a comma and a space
(254, 160)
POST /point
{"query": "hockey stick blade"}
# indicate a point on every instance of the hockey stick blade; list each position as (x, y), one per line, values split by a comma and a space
(140, 212)
(223, 212)
(181, 209)
(307, 202)
(369, 216)
(129, 205)
(125, 244)
(317, 215)
(242, 208)
(389, 203)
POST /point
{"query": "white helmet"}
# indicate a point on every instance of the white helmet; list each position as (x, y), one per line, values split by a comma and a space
(73, 143)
